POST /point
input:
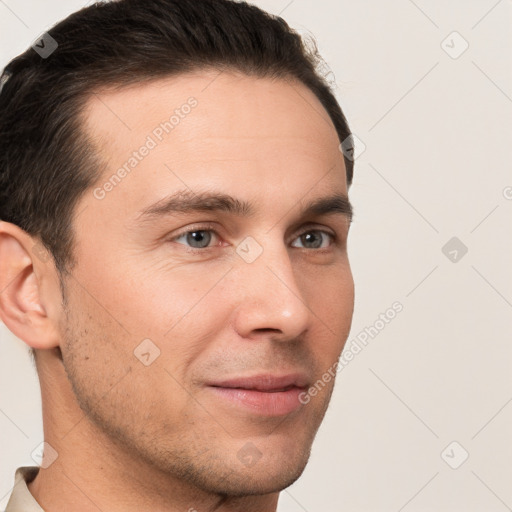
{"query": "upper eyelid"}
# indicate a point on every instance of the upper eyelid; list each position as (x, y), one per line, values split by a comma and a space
(207, 227)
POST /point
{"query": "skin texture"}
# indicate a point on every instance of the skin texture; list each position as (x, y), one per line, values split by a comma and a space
(135, 437)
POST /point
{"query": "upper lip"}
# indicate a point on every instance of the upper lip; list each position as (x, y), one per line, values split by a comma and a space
(264, 382)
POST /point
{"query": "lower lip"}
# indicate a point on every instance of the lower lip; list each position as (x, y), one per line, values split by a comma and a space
(277, 403)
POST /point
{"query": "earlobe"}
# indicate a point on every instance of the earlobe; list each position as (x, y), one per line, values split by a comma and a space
(21, 306)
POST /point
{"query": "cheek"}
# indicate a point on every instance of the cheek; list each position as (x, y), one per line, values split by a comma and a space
(331, 298)
(153, 298)
(108, 379)
(329, 291)
(96, 348)
(181, 310)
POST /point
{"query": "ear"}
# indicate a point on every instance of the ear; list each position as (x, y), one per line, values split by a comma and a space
(27, 288)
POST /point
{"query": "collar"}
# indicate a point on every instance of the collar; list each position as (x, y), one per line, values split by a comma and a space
(21, 499)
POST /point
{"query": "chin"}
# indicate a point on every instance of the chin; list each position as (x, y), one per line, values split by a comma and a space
(271, 473)
(259, 482)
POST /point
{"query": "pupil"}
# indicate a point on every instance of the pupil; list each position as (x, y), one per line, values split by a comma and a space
(309, 236)
(199, 237)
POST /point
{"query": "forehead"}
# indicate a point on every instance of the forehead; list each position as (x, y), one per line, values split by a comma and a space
(209, 129)
(232, 109)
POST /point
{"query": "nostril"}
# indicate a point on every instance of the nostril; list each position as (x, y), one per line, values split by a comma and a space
(266, 330)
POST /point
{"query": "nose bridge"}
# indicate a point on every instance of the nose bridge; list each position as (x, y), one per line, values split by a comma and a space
(271, 297)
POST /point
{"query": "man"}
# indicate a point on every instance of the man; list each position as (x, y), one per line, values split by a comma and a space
(173, 248)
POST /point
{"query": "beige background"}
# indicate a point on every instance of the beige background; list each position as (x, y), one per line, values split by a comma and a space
(437, 137)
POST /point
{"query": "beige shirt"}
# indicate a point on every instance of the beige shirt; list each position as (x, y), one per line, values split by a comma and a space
(21, 500)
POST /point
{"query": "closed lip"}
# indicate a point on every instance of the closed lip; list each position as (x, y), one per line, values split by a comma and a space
(267, 383)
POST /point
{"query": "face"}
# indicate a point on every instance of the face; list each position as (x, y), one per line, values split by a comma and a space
(191, 333)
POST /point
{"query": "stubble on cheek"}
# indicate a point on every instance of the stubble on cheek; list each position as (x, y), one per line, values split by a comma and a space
(127, 403)
(93, 356)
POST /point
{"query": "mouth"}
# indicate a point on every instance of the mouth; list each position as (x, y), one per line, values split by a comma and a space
(266, 395)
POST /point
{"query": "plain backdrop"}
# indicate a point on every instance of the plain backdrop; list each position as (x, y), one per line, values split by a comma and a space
(421, 418)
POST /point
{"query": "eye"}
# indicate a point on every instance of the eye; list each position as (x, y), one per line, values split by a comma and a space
(200, 238)
(197, 238)
(312, 239)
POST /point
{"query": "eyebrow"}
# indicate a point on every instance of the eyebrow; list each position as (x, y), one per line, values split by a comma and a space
(186, 201)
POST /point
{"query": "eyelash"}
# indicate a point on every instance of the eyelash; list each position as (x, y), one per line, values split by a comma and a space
(211, 227)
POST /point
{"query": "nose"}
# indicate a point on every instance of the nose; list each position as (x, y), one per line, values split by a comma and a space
(269, 298)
